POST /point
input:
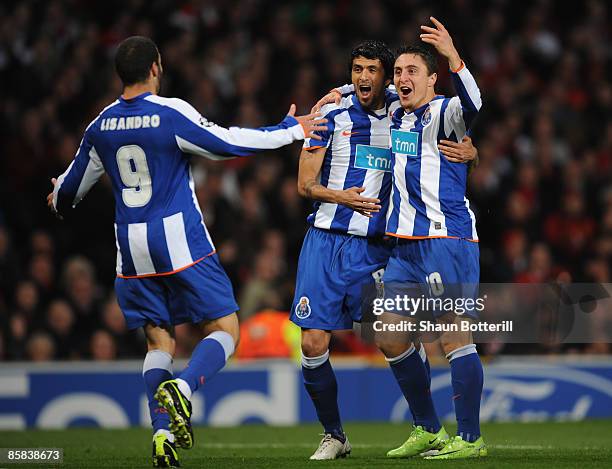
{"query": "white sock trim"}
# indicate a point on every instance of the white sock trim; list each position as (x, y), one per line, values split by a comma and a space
(422, 353)
(168, 434)
(401, 356)
(314, 362)
(462, 352)
(184, 387)
(157, 359)
(226, 341)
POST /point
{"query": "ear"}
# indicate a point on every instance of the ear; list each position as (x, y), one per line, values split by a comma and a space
(154, 70)
(431, 81)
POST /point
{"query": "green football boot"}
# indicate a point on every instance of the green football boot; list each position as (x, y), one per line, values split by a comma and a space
(179, 410)
(164, 452)
(420, 441)
(456, 448)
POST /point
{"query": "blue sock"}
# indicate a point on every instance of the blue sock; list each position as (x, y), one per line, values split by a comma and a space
(467, 379)
(208, 357)
(320, 383)
(413, 379)
(423, 356)
(156, 369)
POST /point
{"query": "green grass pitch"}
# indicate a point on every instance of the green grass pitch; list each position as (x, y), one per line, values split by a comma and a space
(511, 445)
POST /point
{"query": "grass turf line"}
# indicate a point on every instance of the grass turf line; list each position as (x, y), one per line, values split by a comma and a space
(533, 445)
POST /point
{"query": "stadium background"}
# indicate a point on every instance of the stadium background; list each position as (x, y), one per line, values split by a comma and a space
(542, 193)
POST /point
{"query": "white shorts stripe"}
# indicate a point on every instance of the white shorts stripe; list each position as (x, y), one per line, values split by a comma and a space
(139, 248)
(174, 228)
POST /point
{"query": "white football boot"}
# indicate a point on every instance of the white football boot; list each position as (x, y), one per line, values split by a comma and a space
(331, 448)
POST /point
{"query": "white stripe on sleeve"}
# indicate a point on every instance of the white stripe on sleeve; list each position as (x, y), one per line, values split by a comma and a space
(93, 172)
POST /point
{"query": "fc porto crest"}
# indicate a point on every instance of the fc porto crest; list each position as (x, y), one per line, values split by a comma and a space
(302, 309)
(426, 118)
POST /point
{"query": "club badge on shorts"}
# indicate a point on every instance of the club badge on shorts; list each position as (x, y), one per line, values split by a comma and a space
(302, 309)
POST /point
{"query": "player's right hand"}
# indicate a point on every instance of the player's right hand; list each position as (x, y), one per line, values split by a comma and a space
(50, 201)
(311, 123)
(352, 199)
(334, 96)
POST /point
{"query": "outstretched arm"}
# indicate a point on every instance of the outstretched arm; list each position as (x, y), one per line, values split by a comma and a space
(309, 186)
(196, 135)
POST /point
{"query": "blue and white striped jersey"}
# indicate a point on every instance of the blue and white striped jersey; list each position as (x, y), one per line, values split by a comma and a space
(428, 195)
(144, 144)
(357, 142)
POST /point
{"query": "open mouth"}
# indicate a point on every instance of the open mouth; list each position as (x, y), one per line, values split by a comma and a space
(405, 91)
(365, 90)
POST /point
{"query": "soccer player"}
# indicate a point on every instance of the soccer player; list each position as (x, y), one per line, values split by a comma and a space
(167, 270)
(348, 174)
(437, 241)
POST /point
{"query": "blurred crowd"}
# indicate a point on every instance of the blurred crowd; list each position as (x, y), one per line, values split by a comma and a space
(542, 193)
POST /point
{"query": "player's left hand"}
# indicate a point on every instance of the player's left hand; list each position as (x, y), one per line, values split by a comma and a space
(311, 123)
(50, 201)
(441, 40)
(454, 152)
(334, 96)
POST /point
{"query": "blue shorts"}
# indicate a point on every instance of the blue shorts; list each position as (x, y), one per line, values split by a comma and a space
(332, 271)
(199, 293)
(442, 267)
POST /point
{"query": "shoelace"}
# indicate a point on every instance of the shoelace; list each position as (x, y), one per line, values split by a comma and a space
(325, 442)
(452, 442)
(416, 433)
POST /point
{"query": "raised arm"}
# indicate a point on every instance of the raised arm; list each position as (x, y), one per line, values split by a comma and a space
(84, 171)
(311, 161)
(465, 85)
(196, 135)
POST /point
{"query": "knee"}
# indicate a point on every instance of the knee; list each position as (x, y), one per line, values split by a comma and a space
(390, 348)
(314, 345)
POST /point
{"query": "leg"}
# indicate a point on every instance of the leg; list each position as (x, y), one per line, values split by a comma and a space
(210, 355)
(411, 374)
(143, 303)
(320, 381)
(157, 368)
(467, 381)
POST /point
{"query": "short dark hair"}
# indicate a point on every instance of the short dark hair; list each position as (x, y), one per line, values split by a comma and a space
(425, 52)
(374, 50)
(134, 58)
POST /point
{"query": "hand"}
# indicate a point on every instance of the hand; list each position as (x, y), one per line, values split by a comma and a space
(441, 40)
(334, 96)
(363, 205)
(454, 152)
(311, 123)
(50, 200)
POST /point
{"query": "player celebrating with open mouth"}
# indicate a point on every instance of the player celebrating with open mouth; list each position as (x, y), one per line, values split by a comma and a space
(437, 241)
(348, 174)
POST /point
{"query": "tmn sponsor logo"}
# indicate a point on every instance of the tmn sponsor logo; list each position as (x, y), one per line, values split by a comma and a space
(405, 142)
(375, 158)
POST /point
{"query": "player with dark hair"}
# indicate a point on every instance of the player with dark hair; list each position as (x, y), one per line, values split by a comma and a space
(168, 271)
(348, 174)
(437, 244)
